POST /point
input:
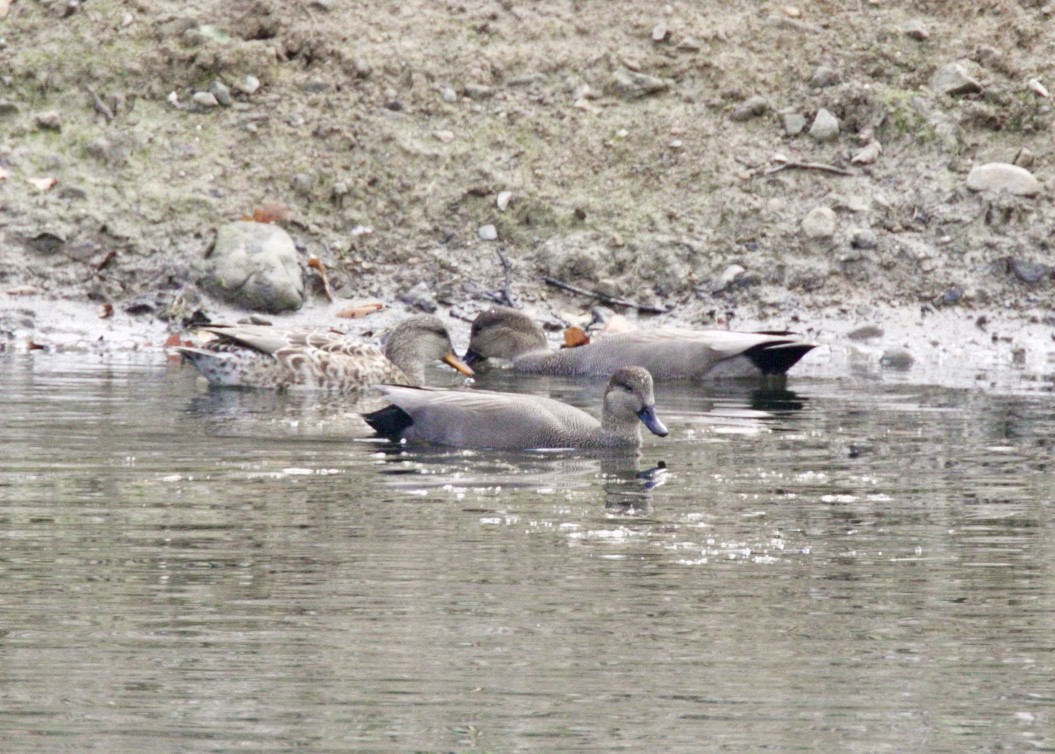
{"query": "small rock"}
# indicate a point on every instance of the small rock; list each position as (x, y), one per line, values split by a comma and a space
(819, 223)
(633, 85)
(794, 123)
(477, 91)
(248, 85)
(50, 120)
(420, 297)
(752, 108)
(448, 95)
(1001, 176)
(219, 90)
(953, 79)
(824, 77)
(916, 29)
(896, 358)
(660, 33)
(952, 296)
(863, 238)
(865, 332)
(7, 107)
(205, 99)
(487, 233)
(869, 154)
(445, 136)
(395, 106)
(1024, 158)
(1029, 272)
(730, 275)
(503, 199)
(1035, 86)
(825, 126)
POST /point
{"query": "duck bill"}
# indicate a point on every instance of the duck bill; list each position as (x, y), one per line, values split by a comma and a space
(471, 357)
(452, 360)
(648, 417)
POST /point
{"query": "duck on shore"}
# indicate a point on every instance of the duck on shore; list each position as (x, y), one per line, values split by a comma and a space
(667, 353)
(276, 358)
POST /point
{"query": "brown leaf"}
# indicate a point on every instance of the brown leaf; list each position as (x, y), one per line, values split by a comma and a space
(360, 310)
(272, 212)
(575, 337)
(315, 264)
(107, 311)
(107, 258)
(34, 346)
(43, 184)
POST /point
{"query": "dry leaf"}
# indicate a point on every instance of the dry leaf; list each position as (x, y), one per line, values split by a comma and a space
(34, 346)
(575, 337)
(43, 184)
(360, 310)
(107, 258)
(315, 264)
(107, 311)
(272, 212)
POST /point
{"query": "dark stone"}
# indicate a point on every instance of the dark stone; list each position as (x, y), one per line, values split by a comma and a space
(1029, 272)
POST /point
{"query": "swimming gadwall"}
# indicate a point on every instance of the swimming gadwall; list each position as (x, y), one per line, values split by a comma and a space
(516, 421)
(667, 353)
(278, 358)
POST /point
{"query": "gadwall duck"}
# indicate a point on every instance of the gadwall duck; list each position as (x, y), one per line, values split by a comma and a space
(667, 353)
(279, 358)
(515, 421)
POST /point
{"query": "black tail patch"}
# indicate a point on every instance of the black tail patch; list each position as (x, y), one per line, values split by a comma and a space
(389, 421)
(777, 358)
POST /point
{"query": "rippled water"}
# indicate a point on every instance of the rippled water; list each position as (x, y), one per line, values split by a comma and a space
(847, 565)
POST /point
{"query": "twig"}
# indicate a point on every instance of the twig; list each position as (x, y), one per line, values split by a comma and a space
(105, 111)
(507, 268)
(647, 308)
(807, 166)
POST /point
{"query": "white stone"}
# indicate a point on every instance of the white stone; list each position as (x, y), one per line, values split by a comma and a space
(953, 79)
(488, 233)
(825, 126)
(819, 223)
(503, 199)
(1001, 176)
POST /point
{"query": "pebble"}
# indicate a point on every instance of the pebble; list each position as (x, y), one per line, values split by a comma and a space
(865, 332)
(751, 108)
(219, 90)
(1035, 86)
(897, 358)
(825, 126)
(7, 107)
(819, 223)
(953, 79)
(794, 123)
(823, 77)
(445, 136)
(503, 199)
(487, 232)
(869, 154)
(205, 99)
(1001, 176)
(448, 95)
(952, 296)
(420, 297)
(863, 238)
(916, 29)
(730, 275)
(1024, 158)
(660, 33)
(477, 91)
(633, 85)
(1029, 272)
(249, 85)
(50, 120)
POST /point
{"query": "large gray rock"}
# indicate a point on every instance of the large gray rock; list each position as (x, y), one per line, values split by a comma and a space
(255, 265)
(953, 79)
(825, 126)
(1001, 176)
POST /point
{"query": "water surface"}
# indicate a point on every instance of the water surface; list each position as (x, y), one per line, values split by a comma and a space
(838, 565)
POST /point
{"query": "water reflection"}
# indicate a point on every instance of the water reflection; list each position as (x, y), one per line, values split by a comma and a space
(831, 566)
